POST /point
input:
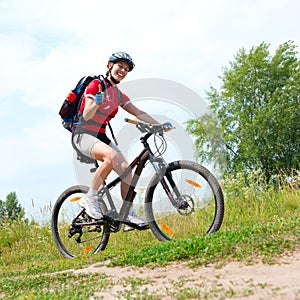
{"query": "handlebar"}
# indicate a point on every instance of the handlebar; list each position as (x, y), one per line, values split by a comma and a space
(151, 128)
(132, 121)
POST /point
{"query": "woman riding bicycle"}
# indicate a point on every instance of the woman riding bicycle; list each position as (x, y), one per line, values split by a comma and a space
(90, 136)
(183, 199)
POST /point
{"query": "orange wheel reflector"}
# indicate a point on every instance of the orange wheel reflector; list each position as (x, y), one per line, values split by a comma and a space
(193, 183)
(88, 248)
(75, 199)
(166, 228)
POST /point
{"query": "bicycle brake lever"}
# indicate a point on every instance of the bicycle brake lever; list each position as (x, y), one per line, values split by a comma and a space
(141, 128)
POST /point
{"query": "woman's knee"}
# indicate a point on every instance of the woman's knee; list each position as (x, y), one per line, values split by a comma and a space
(111, 159)
(101, 151)
(109, 162)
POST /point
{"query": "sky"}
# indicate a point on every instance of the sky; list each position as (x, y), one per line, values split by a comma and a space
(46, 46)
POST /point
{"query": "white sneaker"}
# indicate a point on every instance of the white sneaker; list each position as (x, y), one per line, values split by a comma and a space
(92, 207)
(134, 218)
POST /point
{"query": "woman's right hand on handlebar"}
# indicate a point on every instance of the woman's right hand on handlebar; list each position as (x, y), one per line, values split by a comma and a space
(168, 126)
(154, 128)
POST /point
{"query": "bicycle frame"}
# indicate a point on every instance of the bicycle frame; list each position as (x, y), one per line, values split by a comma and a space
(138, 163)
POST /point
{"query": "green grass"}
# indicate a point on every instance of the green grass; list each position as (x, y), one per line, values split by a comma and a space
(260, 223)
(59, 286)
(266, 241)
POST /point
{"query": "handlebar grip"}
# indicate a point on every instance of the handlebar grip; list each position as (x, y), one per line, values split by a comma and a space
(131, 121)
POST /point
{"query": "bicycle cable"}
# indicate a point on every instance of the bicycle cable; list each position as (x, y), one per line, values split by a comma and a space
(160, 149)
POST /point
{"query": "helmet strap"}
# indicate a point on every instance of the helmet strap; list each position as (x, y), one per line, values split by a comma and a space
(112, 78)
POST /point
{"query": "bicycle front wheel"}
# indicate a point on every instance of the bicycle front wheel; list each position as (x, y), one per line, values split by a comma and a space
(187, 201)
(73, 231)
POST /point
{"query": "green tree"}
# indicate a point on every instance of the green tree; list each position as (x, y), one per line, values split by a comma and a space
(11, 207)
(254, 117)
(2, 209)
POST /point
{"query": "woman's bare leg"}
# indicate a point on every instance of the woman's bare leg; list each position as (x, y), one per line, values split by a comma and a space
(109, 158)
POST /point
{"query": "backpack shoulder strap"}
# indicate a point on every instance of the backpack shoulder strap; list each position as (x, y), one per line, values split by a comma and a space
(103, 86)
(112, 133)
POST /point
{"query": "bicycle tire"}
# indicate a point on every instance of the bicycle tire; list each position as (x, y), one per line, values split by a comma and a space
(65, 211)
(202, 208)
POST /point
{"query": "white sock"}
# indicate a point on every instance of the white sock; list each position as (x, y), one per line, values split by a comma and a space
(131, 211)
(92, 193)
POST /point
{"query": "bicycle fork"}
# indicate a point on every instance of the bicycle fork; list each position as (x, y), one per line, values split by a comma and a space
(160, 167)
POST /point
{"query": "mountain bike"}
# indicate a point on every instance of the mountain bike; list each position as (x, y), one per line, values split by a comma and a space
(182, 200)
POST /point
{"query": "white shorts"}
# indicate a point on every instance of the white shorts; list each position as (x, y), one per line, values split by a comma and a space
(85, 142)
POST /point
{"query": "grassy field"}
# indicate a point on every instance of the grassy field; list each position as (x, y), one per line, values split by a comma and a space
(260, 222)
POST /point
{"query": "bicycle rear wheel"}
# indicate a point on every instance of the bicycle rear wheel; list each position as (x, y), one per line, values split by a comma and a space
(73, 231)
(196, 206)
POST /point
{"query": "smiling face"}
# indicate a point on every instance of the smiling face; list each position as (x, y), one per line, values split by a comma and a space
(118, 70)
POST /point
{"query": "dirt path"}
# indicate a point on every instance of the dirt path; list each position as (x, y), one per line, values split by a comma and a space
(178, 281)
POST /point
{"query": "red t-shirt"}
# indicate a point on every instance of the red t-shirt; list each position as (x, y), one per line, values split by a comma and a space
(107, 109)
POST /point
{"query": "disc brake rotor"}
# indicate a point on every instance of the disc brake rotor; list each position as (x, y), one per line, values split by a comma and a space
(186, 205)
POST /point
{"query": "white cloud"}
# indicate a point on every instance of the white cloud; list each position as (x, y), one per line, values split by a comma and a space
(44, 145)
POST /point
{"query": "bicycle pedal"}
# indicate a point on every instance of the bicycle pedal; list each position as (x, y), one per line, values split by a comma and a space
(108, 218)
(111, 216)
(143, 227)
(128, 225)
(128, 228)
